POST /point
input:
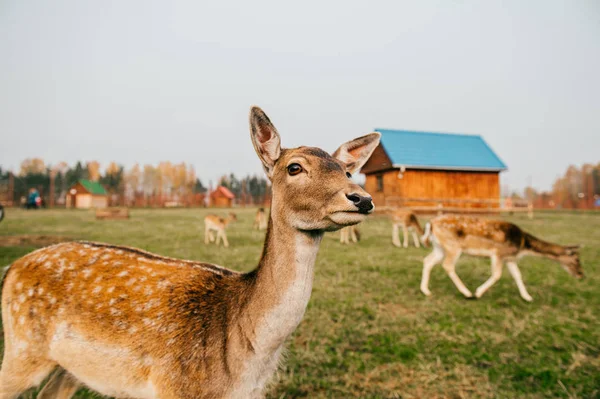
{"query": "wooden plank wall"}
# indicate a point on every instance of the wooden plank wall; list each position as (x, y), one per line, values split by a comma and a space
(435, 184)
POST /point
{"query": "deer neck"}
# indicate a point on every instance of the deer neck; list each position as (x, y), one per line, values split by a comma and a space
(282, 283)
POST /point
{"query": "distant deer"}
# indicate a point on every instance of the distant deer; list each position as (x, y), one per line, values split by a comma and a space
(406, 219)
(349, 233)
(503, 242)
(128, 323)
(260, 220)
(217, 224)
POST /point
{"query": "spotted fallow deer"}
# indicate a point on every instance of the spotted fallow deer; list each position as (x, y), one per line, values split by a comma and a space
(260, 220)
(406, 219)
(217, 224)
(128, 323)
(348, 234)
(503, 242)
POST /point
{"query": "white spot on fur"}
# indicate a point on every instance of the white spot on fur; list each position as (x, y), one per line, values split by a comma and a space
(22, 298)
(30, 292)
(19, 285)
(110, 290)
(86, 273)
(40, 291)
(123, 273)
(131, 281)
(97, 290)
(21, 320)
(115, 312)
(163, 284)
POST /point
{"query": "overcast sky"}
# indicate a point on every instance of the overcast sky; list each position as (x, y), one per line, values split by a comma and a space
(146, 81)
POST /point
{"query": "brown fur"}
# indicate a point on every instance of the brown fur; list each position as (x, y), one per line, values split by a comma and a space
(219, 225)
(129, 323)
(406, 219)
(260, 220)
(502, 241)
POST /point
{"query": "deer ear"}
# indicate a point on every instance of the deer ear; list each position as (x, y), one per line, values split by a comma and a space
(265, 139)
(356, 152)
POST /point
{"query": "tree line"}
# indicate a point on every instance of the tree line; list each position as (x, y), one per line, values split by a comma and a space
(166, 181)
(578, 187)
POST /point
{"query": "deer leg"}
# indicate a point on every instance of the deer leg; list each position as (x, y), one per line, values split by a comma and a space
(395, 235)
(20, 374)
(206, 234)
(405, 232)
(428, 263)
(343, 235)
(516, 273)
(224, 239)
(449, 265)
(60, 386)
(353, 234)
(496, 274)
(416, 239)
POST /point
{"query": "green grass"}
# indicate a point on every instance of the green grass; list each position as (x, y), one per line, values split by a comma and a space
(369, 332)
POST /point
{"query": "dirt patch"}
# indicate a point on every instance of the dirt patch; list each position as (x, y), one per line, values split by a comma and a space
(31, 240)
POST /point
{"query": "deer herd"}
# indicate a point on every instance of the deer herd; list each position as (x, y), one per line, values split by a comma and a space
(132, 324)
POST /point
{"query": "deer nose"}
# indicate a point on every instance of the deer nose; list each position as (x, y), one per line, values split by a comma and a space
(364, 204)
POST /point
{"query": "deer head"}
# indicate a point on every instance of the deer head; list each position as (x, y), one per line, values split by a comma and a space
(569, 260)
(313, 190)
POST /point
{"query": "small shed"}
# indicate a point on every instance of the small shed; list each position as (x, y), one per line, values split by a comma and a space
(87, 194)
(411, 168)
(221, 197)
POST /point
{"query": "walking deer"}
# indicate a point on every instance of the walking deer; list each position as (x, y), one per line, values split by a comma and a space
(348, 234)
(406, 219)
(217, 224)
(503, 242)
(260, 220)
(128, 323)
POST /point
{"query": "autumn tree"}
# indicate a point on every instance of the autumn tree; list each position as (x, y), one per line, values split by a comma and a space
(32, 166)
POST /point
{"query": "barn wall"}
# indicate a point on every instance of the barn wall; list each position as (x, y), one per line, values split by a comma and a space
(221, 202)
(83, 201)
(435, 184)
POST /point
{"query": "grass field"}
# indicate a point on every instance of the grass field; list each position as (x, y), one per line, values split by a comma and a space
(369, 332)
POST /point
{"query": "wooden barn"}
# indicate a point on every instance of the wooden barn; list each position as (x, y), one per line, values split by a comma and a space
(221, 197)
(87, 194)
(419, 169)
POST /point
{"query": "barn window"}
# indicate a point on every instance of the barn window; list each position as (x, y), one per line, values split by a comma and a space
(379, 182)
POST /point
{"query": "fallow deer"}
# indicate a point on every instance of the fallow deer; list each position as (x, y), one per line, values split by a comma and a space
(503, 242)
(260, 220)
(217, 224)
(128, 323)
(348, 234)
(406, 219)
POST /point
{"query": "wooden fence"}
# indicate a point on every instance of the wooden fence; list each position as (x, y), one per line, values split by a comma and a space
(453, 205)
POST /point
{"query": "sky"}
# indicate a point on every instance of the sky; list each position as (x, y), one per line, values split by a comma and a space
(149, 81)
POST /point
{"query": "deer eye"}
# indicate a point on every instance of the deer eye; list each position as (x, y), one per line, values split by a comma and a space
(348, 175)
(294, 169)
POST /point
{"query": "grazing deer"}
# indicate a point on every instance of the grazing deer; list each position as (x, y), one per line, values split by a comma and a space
(128, 323)
(260, 220)
(409, 222)
(218, 224)
(503, 242)
(349, 233)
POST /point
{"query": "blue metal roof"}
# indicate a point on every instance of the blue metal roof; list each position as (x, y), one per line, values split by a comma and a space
(439, 150)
